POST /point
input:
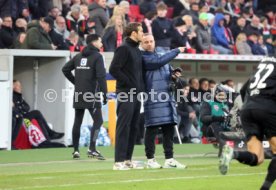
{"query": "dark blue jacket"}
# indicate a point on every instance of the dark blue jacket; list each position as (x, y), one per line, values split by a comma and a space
(218, 33)
(256, 49)
(158, 78)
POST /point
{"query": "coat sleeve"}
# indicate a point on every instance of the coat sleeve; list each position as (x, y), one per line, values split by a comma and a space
(67, 70)
(101, 75)
(199, 41)
(240, 48)
(118, 63)
(34, 42)
(153, 61)
(205, 113)
(103, 18)
(106, 39)
(220, 37)
(7, 39)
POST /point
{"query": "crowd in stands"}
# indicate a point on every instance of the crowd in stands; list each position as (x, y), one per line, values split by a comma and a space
(244, 27)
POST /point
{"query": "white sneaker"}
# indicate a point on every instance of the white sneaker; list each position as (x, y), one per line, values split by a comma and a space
(120, 166)
(134, 164)
(76, 155)
(153, 164)
(172, 163)
(225, 159)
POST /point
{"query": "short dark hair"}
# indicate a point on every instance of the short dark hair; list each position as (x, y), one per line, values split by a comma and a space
(202, 80)
(192, 79)
(211, 81)
(92, 38)
(161, 6)
(132, 27)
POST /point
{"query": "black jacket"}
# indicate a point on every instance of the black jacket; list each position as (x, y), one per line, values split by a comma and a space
(178, 40)
(58, 40)
(126, 67)
(7, 37)
(21, 107)
(162, 29)
(109, 39)
(89, 77)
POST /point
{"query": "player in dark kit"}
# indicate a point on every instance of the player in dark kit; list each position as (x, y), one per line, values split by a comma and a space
(258, 117)
(90, 84)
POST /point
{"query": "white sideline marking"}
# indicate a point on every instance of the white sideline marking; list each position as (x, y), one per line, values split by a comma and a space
(132, 181)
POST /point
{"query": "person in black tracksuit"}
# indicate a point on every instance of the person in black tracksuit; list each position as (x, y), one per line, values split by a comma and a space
(258, 118)
(21, 110)
(126, 68)
(90, 84)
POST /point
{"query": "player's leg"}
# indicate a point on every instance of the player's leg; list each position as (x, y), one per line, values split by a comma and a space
(254, 133)
(96, 114)
(76, 131)
(150, 135)
(271, 171)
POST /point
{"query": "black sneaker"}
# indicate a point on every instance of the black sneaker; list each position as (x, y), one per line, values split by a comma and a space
(76, 155)
(56, 135)
(95, 154)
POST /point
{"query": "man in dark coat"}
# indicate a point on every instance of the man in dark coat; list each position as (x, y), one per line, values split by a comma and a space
(38, 35)
(97, 10)
(90, 84)
(21, 110)
(7, 34)
(126, 68)
(159, 109)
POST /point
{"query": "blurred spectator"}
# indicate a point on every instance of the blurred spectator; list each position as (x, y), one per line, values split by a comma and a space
(253, 43)
(193, 95)
(38, 34)
(17, 6)
(1, 22)
(254, 26)
(7, 34)
(113, 33)
(58, 40)
(212, 84)
(242, 46)
(147, 6)
(66, 7)
(84, 11)
(270, 47)
(54, 12)
(265, 28)
(238, 27)
(147, 22)
(203, 87)
(221, 3)
(20, 25)
(176, 5)
(179, 36)
(203, 40)
(193, 12)
(97, 10)
(218, 35)
(18, 44)
(262, 45)
(75, 2)
(230, 83)
(125, 6)
(228, 32)
(234, 6)
(162, 28)
(76, 22)
(190, 30)
(5, 8)
(39, 8)
(60, 27)
(187, 116)
(73, 41)
(110, 6)
(26, 15)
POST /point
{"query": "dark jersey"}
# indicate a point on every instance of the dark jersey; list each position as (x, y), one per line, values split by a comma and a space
(261, 87)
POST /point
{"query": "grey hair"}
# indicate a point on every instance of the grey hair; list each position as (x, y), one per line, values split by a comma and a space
(75, 9)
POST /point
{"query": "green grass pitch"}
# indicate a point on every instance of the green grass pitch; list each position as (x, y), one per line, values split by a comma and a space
(54, 169)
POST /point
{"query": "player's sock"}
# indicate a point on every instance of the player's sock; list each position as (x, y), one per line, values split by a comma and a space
(246, 157)
(271, 175)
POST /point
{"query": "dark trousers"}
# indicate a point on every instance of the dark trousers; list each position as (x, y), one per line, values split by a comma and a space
(168, 133)
(96, 114)
(37, 115)
(126, 129)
